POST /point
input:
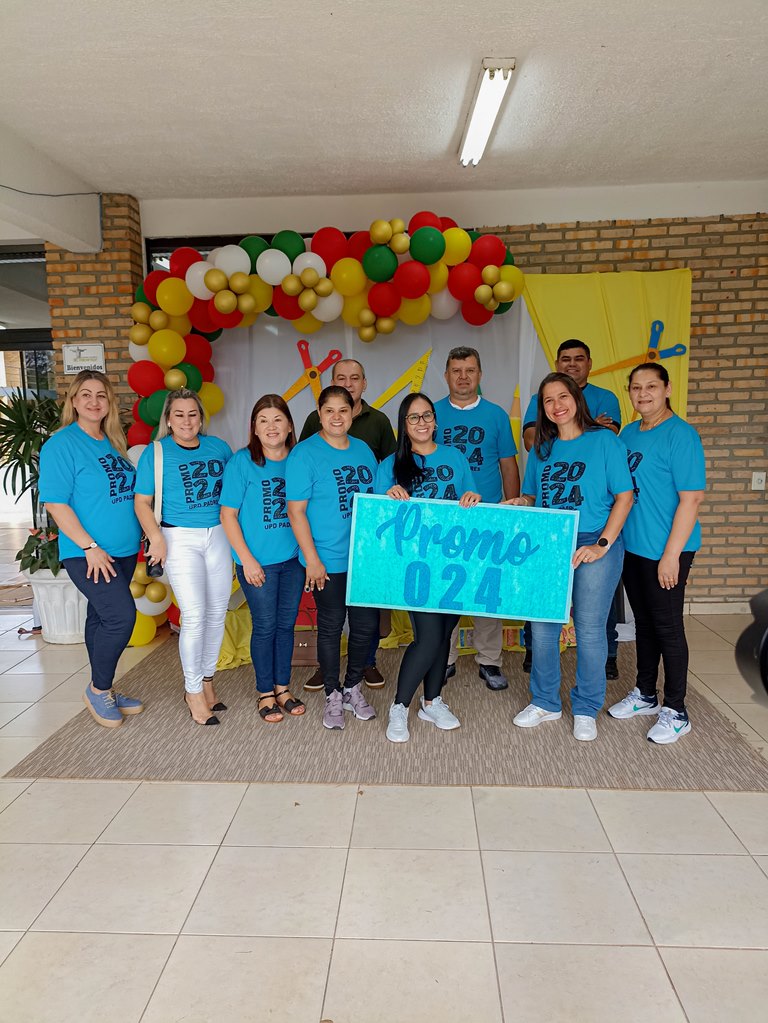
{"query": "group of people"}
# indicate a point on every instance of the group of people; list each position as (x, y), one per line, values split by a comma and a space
(282, 509)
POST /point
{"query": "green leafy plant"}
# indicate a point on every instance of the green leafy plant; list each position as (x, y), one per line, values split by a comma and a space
(40, 551)
(25, 424)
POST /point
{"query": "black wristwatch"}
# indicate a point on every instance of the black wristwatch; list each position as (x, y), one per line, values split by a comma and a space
(604, 542)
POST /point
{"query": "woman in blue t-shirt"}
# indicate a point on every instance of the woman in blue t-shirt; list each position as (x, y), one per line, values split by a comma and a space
(422, 468)
(190, 540)
(86, 482)
(255, 518)
(579, 465)
(661, 537)
(323, 475)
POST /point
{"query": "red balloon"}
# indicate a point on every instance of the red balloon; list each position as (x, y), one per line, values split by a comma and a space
(463, 280)
(139, 433)
(475, 314)
(358, 245)
(411, 279)
(424, 219)
(206, 372)
(488, 250)
(182, 259)
(199, 350)
(286, 306)
(384, 298)
(151, 283)
(232, 319)
(330, 244)
(200, 316)
(446, 222)
(135, 411)
(145, 378)
(174, 614)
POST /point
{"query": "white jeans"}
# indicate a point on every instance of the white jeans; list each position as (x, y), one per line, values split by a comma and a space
(199, 567)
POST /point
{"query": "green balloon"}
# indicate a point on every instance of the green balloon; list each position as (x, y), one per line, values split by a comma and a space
(144, 415)
(503, 307)
(289, 242)
(509, 259)
(427, 245)
(192, 373)
(254, 245)
(474, 235)
(380, 263)
(209, 337)
(271, 311)
(154, 406)
(153, 435)
(141, 297)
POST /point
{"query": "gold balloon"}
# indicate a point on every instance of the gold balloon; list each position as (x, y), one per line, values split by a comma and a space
(140, 312)
(385, 325)
(140, 333)
(380, 232)
(307, 299)
(438, 277)
(504, 291)
(158, 320)
(400, 243)
(367, 334)
(249, 319)
(292, 285)
(215, 280)
(309, 277)
(246, 304)
(483, 293)
(140, 574)
(492, 305)
(238, 283)
(324, 287)
(174, 379)
(155, 592)
(366, 318)
(397, 225)
(224, 301)
(491, 275)
(137, 590)
(181, 324)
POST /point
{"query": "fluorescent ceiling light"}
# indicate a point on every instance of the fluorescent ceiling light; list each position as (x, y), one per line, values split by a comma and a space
(494, 82)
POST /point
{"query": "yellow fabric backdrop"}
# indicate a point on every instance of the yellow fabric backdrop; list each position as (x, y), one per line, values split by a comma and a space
(612, 313)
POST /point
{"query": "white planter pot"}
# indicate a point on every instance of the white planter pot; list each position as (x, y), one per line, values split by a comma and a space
(60, 604)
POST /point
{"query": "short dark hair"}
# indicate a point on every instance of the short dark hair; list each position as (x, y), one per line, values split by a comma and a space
(461, 353)
(573, 342)
(254, 444)
(334, 391)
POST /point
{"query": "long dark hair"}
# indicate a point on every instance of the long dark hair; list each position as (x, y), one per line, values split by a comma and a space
(408, 473)
(254, 444)
(658, 369)
(546, 431)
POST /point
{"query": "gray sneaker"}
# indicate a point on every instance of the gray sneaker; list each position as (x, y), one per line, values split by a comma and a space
(397, 729)
(439, 714)
(357, 703)
(333, 715)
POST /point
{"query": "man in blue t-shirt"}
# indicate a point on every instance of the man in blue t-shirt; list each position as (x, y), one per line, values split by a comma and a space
(482, 431)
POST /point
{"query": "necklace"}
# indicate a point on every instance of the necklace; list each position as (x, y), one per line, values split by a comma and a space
(665, 414)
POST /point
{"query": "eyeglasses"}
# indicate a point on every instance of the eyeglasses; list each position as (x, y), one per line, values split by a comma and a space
(414, 417)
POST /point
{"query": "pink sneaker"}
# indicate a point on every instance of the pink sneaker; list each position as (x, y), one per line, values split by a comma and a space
(357, 703)
(333, 716)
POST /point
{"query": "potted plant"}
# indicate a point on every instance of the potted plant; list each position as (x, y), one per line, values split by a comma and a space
(25, 424)
(60, 605)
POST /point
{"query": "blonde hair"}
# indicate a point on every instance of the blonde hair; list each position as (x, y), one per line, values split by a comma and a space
(110, 424)
(182, 394)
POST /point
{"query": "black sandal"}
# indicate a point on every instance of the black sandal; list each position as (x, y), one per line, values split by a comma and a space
(291, 704)
(217, 706)
(274, 709)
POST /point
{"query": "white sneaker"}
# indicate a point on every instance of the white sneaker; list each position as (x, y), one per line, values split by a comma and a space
(584, 728)
(533, 715)
(670, 727)
(633, 705)
(439, 714)
(397, 729)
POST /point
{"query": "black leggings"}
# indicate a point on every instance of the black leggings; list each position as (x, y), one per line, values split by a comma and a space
(427, 657)
(332, 610)
(659, 629)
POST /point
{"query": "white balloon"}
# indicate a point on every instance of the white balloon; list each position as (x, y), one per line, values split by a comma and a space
(233, 260)
(137, 352)
(272, 266)
(152, 607)
(329, 308)
(444, 305)
(211, 257)
(134, 453)
(194, 279)
(309, 260)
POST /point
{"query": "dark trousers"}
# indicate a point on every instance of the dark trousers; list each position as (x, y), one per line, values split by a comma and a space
(659, 629)
(332, 611)
(426, 658)
(273, 607)
(111, 615)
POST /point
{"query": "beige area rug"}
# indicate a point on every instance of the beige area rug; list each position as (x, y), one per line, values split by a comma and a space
(163, 744)
(14, 594)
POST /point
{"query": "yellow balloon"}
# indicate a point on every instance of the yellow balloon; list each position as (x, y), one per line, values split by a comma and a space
(400, 243)
(483, 293)
(174, 297)
(353, 306)
(380, 232)
(238, 283)
(160, 619)
(249, 319)
(493, 304)
(438, 277)
(225, 301)
(158, 320)
(324, 287)
(215, 279)
(490, 274)
(414, 311)
(385, 325)
(367, 334)
(247, 305)
(212, 397)
(174, 379)
(180, 324)
(141, 312)
(261, 291)
(515, 278)
(155, 592)
(397, 225)
(307, 324)
(309, 277)
(307, 300)
(458, 245)
(292, 284)
(140, 333)
(143, 631)
(366, 318)
(137, 590)
(166, 348)
(140, 575)
(348, 276)
(504, 291)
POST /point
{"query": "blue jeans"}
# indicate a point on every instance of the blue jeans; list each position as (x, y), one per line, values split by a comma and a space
(273, 607)
(610, 628)
(594, 585)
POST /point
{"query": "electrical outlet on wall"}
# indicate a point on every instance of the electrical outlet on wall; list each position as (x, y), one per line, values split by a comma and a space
(758, 481)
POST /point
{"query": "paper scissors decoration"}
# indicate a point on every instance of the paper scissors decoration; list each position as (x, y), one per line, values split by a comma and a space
(652, 355)
(311, 375)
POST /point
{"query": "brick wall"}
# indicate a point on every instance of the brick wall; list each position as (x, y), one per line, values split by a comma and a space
(90, 294)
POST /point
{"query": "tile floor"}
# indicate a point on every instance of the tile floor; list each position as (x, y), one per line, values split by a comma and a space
(154, 902)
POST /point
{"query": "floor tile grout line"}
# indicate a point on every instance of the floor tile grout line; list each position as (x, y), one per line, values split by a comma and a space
(727, 824)
(487, 905)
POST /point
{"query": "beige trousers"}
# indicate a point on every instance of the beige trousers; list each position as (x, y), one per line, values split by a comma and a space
(487, 633)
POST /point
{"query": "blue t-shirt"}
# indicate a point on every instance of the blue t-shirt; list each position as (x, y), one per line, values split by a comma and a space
(97, 483)
(665, 460)
(582, 475)
(257, 492)
(328, 479)
(484, 435)
(447, 475)
(192, 479)
(600, 402)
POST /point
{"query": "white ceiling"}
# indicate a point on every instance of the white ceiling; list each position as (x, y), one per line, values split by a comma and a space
(328, 97)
